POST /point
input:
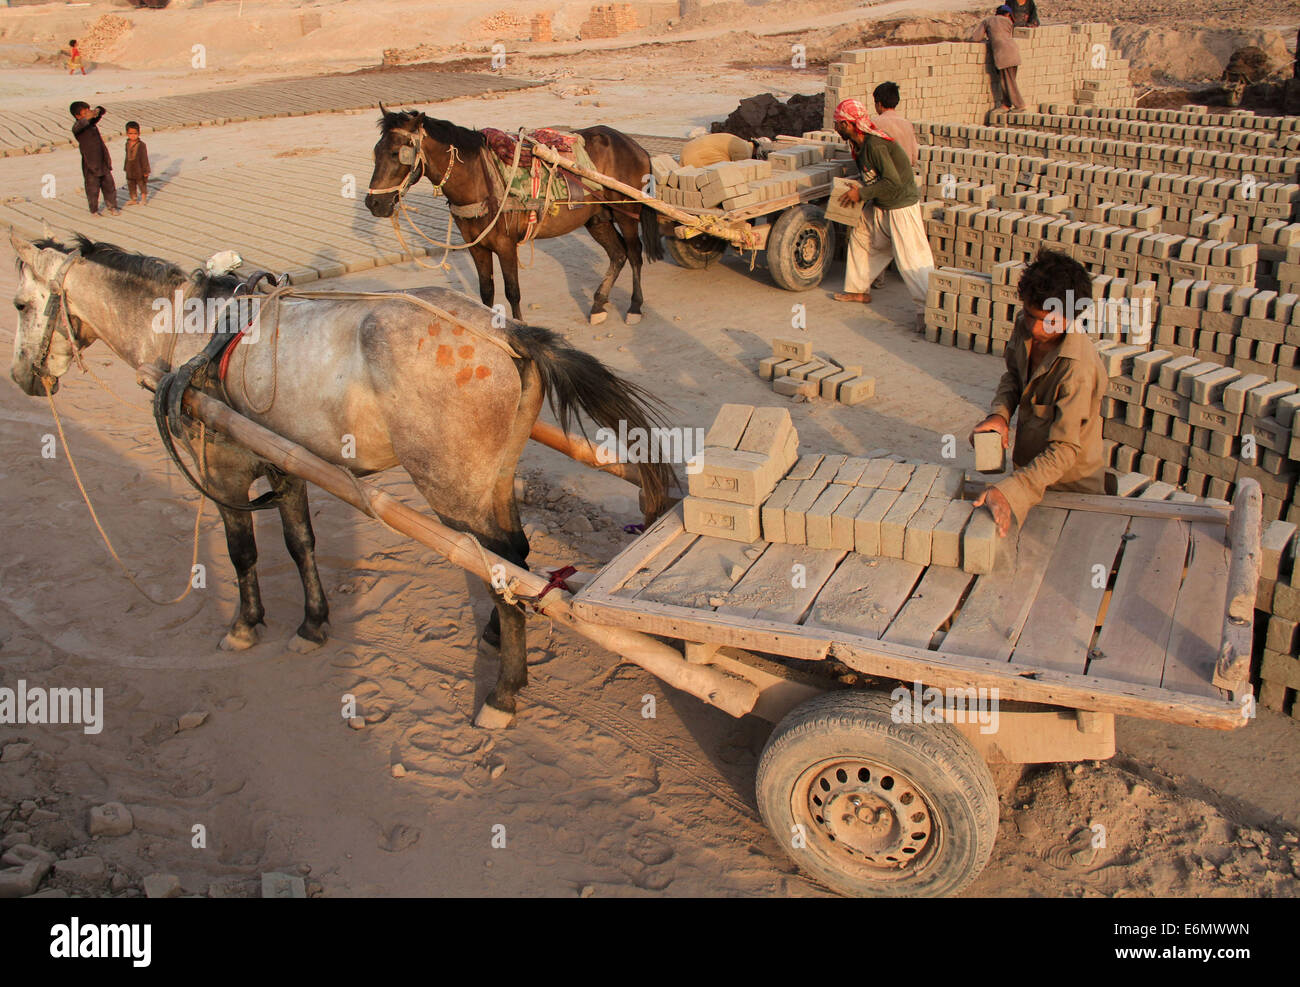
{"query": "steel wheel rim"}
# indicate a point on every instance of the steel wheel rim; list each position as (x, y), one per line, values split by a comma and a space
(861, 813)
(808, 249)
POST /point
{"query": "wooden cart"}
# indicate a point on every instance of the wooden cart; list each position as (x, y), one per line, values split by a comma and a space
(1098, 606)
(799, 243)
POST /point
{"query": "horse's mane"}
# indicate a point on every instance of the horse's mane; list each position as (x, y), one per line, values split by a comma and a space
(153, 270)
(443, 131)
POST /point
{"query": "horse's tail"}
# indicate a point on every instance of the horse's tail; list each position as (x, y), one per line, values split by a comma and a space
(577, 382)
(651, 248)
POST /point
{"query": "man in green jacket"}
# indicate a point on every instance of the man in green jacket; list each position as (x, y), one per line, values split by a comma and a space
(893, 230)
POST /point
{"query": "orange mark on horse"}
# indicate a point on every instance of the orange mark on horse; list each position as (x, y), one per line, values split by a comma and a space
(463, 375)
(433, 330)
(445, 359)
(465, 352)
(419, 344)
(481, 371)
(457, 330)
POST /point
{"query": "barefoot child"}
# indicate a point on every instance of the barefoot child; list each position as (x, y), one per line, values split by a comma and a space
(74, 58)
(96, 165)
(137, 165)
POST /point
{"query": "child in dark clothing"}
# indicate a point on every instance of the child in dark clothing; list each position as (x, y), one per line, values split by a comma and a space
(96, 165)
(137, 164)
(74, 58)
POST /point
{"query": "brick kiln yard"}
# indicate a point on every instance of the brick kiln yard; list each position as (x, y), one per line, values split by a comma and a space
(596, 799)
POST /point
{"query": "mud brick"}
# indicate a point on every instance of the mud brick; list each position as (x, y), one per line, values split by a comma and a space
(1118, 360)
(805, 467)
(1146, 366)
(1125, 389)
(897, 477)
(1165, 448)
(802, 371)
(830, 466)
(1136, 416)
(1148, 465)
(1207, 388)
(767, 433)
(842, 521)
(866, 526)
(1171, 473)
(922, 479)
(856, 391)
(817, 520)
(1157, 491)
(1286, 603)
(735, 522)
(792, 349)
(1282, 636)
(979, 545)
(852, 470)
(784, 367)
(919, 533)
(797, 510)
(1275, 485)
(732, 476)
(773, 511)
(990, 456)
(1187, 375)
(791, 386)
(1128, 484)
(945, 543)
(1261, 400)
(1170, 370)
(948, 484)
(830, 385)
(1269, 433)
(874, 474)
(767, 365)
(829, 370)
(1286, 410)
(894, 523)
(1234, 395)
(1274, 542)
(729, 426)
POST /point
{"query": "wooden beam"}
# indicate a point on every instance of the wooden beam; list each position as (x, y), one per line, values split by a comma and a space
(1232, 671)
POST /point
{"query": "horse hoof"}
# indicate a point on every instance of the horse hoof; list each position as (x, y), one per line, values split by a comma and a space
(239, 640)
(491, 718)
(633, 318)
(596, 318)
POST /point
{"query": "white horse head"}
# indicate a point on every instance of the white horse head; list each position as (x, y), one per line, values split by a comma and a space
(42, 349)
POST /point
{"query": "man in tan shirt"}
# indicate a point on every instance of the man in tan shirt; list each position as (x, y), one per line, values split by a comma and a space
(711, 149)
(1054, 381)
(999, 32)
(891, 121)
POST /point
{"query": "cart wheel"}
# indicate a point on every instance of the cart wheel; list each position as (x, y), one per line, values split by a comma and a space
(799, 248)
(696, 253)
(874, 808)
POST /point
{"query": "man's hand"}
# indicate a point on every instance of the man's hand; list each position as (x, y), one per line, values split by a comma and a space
(993, 423)
(996, 501)
(850, 196)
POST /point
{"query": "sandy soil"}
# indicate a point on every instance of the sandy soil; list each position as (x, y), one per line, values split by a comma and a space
(594, 798)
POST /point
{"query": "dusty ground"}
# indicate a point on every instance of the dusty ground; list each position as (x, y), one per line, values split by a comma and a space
(594, 798)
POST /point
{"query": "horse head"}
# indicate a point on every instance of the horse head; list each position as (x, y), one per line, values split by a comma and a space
(399, 162)
(42, 352)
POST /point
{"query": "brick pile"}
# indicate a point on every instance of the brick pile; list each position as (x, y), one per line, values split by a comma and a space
(1278, 612)
(1213, 136)
(541, 30)
(731, 185)
(951, 80)
(608, 21)
(1190, 114)
(794, 370)
(1254, 330)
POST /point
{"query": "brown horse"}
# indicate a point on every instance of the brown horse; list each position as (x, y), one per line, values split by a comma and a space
(456, 162)
(427, 379)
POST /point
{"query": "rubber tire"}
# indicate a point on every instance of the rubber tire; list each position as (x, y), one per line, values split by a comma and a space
(688, 253)
(781, 242)
(957, 783)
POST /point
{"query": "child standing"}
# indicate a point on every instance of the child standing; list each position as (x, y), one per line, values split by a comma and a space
(96, 165)
(137, 164)
(74, 58)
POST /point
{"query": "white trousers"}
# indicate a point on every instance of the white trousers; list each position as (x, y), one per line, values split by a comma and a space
(883, 235)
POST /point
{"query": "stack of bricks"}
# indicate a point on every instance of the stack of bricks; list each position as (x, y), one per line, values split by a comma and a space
(967, 236)
(795, 371)
(1254, 330)
(1263, 213)
(1278, 603)
(541, 31)
(746, 451)
(1189, 115)
(608, 21)
(1134, 155)
(975, 311)
(883, 508)
(1200, 425)
(731, 185)
(1214, 137)
(951, 81)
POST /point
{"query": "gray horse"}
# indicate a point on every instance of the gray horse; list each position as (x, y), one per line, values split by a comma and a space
(439, 387)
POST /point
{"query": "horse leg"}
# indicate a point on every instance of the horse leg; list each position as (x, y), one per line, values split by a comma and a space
(631, 229)
(509, 258)
(301, 542)
(499, 708)
(603, 232)
(242, 546)
(487, 289)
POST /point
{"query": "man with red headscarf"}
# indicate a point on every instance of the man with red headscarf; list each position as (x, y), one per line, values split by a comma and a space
(893, 230)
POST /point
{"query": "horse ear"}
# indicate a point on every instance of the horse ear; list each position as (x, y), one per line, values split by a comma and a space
(27, 252)
(382, 109)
